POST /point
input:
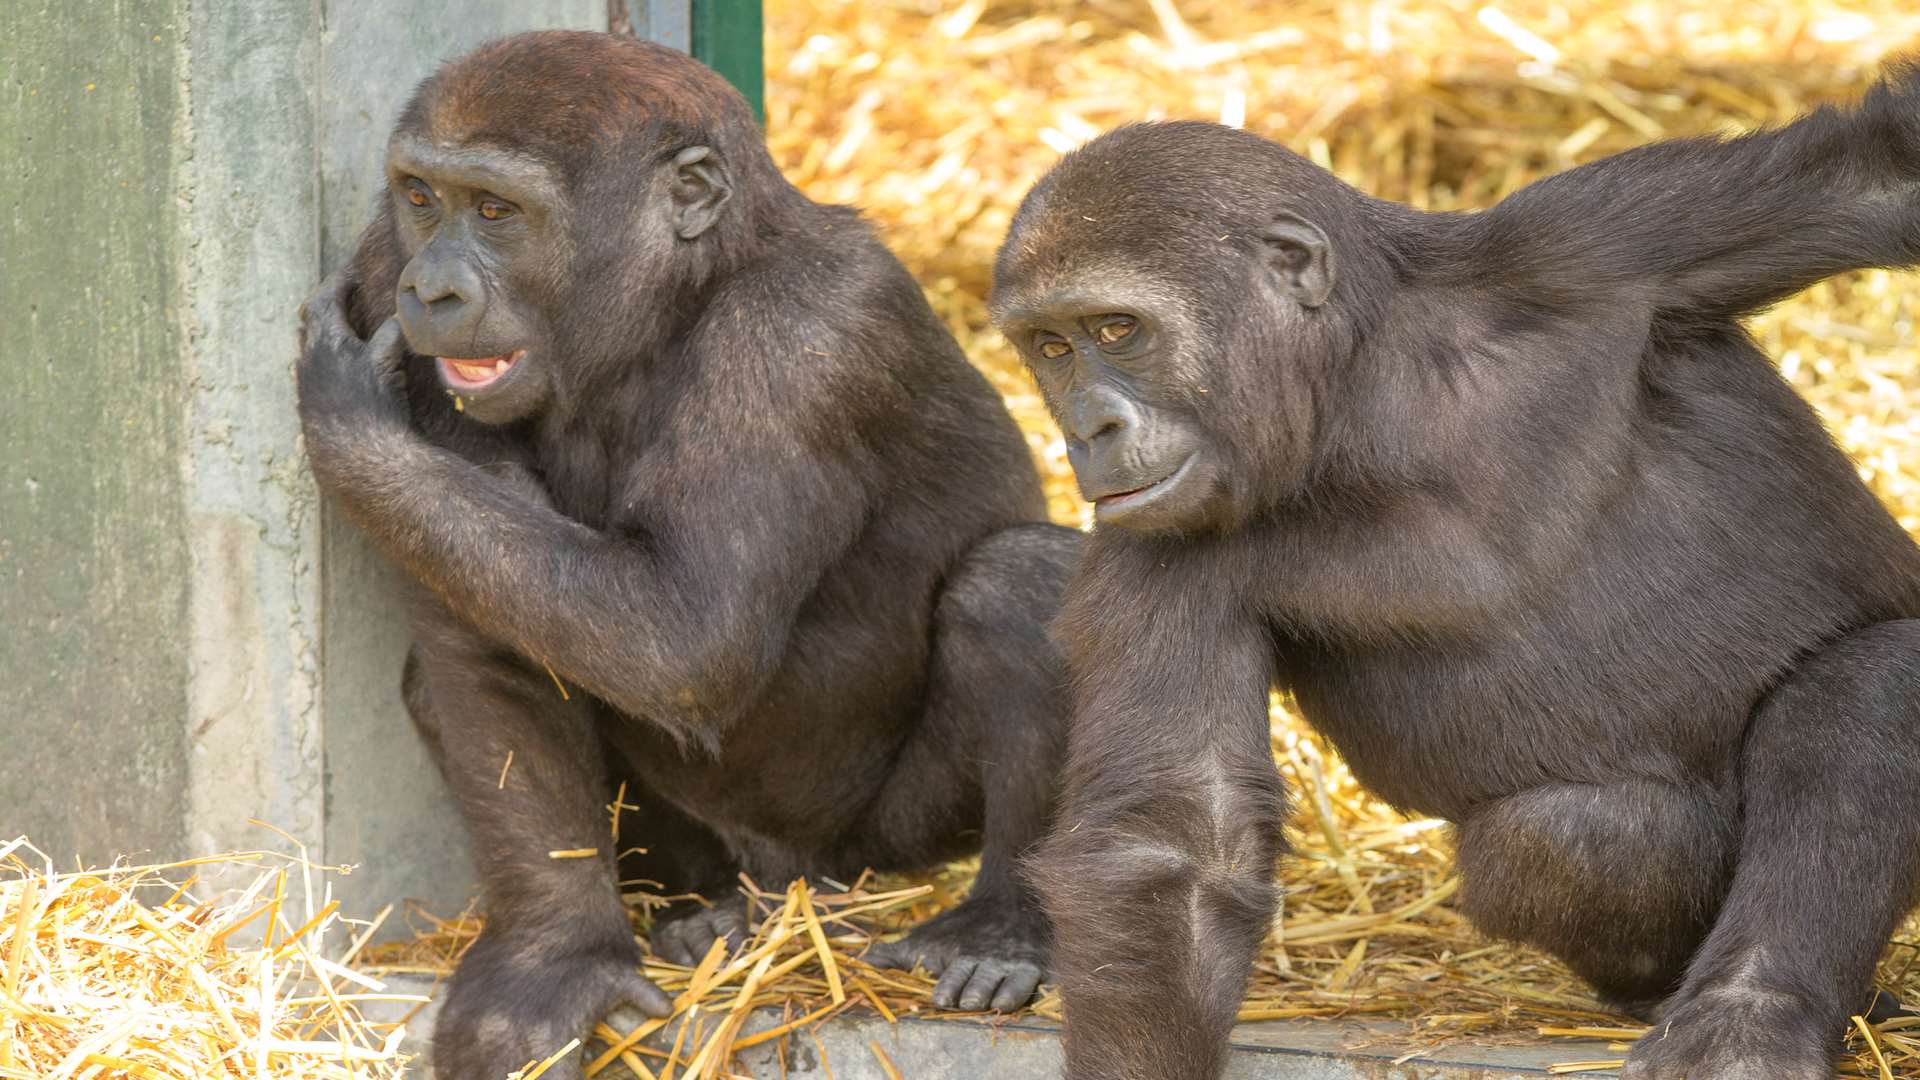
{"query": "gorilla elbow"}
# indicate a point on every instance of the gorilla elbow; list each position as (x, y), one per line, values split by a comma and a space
(705, 683)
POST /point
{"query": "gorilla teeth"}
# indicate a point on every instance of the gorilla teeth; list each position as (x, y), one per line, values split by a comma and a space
(480, 371)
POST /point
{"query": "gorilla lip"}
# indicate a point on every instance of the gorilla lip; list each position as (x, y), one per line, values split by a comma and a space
(463, 374)
(1135, 496)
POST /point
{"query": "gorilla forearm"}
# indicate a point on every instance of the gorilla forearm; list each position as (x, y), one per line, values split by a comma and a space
(657, 634)
(1724, 226)
(1159, 874)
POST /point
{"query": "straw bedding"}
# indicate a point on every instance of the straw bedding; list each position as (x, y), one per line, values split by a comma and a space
(123, 972)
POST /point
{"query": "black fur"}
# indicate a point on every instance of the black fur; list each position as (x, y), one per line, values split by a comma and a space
(1535, 534)
(758, 541)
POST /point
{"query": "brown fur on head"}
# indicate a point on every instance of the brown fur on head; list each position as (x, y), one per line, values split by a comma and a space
(592, 128)
(566, 96)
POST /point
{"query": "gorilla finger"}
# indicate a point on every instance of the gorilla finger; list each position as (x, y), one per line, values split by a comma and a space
(336, 287)
(668, 944)
(690, 948)
(326, 301)
(388, 351)
(624, 1016)
(888, 954)
(326, 325)
(1018, 988)
(980, 989)
(728, 924)
(641, 993)
(946, 992)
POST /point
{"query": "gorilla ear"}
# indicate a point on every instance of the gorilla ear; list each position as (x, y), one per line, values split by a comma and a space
(1300, 259)
(700, 188)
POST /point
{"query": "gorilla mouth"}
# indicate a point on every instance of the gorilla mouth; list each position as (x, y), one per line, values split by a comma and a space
(1132, 497)
(1119, 497)
(470, 375)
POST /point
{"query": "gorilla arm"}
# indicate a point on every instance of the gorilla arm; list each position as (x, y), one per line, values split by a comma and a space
(1158, 875)
(1720, 227)
(678, 614)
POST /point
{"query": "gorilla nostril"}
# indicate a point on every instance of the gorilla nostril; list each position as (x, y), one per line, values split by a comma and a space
(433, 296)
(1108, 426)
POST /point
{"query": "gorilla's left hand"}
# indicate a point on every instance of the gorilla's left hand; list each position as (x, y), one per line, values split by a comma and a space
(988, 953)
(345, 382)
(683, 933)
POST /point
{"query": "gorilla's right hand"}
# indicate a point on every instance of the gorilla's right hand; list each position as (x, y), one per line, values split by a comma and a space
(511, 1003)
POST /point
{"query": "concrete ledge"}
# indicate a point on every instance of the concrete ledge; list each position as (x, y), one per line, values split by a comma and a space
(924, 1049)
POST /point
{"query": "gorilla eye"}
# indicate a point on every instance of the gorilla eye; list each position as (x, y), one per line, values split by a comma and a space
(1054, 349)
(495, 210)
(416, 194)
(1114, 330)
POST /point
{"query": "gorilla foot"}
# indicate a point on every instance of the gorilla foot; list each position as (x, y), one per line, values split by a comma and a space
(509, 1005)
(683, 933)
(988, 953)
(1739, 1033)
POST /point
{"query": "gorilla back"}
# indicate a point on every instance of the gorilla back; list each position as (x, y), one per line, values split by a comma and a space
(700, 499)
(1534, 533)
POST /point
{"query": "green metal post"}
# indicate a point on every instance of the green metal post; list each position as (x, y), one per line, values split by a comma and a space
(727, 38)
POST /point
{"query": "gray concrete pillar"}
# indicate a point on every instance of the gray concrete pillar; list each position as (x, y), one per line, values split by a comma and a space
(187, 638)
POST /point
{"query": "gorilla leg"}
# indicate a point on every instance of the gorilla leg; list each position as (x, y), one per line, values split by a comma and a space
(1619, 880)
(558, 952)
(1829, 861)
(996, 701)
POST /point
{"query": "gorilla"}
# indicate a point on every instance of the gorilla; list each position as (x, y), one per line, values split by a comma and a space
(1535, 535)
(695, 496)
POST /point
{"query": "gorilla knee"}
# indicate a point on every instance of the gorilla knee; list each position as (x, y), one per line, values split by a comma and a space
(1021, 568)
(1622, 880)
(1191, 876)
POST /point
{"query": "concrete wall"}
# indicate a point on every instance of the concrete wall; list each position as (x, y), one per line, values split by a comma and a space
(187, 640)
(93, 509)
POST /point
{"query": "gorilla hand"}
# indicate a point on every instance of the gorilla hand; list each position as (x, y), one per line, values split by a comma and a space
(509, 1005)
(988, 953)
(344, 381)
(683, 934)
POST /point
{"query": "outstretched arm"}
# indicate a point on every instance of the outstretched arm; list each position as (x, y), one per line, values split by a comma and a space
(1158, 876)
(1720, 226)
(678, 612)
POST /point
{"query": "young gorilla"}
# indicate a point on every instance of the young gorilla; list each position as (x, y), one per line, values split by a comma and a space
(1532, 530)
(701, 498)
